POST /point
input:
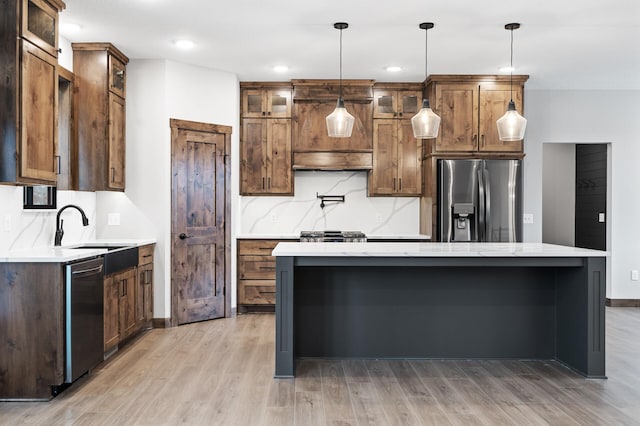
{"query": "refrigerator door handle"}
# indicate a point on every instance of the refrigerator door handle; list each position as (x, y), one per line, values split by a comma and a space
(481, 215)
(487, 189)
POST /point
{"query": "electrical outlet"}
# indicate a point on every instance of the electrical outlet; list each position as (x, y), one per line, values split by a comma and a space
(601, 217)
(113, 219)
(634, 275)
(379, 218)
(274, 217)
(527, 218)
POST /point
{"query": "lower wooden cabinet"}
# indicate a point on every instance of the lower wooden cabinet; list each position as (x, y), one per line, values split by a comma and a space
(256, 275)
(111, 312)
(120, 319)
(128, 300)
(144, 308)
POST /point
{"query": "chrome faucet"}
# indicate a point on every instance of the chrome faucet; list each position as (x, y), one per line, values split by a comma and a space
(59, 230)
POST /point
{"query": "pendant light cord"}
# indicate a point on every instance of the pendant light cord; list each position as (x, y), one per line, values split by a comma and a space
(511, 69)
(341, 63)
(426, 53)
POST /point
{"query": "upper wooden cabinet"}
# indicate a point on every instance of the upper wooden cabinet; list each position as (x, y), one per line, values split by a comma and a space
(265, 157)
(267, 102)
(397, 159)
(265, 141)
(469, 106)
(29, 91)
(67, 141)
(100, 89)
(389, 102)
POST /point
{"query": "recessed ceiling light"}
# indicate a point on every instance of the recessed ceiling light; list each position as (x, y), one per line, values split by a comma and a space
(184, 44)
(281, 68)
(507, 69)
(393, 68)
(68, 28)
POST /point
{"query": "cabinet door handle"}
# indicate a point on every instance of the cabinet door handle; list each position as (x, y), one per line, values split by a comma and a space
(58, 165)
(269, 183)
(113, 174)
(184, 236)
(475, 141)
(269, 113)
(263, 183)
(400, 113)
(483, 143)
(394, 184)
(264, 113)
(400, 184)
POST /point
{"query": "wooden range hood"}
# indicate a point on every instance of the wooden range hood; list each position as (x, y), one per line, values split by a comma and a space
(313, 149)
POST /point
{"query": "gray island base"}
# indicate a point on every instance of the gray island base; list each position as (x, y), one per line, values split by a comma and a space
(440, 300)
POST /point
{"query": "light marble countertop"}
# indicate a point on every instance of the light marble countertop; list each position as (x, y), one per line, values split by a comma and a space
(68, 253)
(432, 250)
(297, 237)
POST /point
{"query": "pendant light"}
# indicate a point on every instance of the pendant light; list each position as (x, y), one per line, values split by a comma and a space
(425, 123)
(511, 126)
(340, 122)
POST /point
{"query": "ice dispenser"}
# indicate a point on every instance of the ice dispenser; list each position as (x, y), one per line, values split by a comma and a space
(463, 218)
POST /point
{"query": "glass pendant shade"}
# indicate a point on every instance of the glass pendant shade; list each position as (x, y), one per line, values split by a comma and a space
(340, 122)
(511, 126)
(425, 123)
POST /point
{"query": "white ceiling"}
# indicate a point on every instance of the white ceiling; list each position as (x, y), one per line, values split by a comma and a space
(562, 44)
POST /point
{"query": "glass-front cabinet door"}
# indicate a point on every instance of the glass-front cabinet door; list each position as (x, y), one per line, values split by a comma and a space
(396, 103)
(385, 104)
(40, 25)
(117, 76)
(279, 103)
(266, 103)
(409, 103)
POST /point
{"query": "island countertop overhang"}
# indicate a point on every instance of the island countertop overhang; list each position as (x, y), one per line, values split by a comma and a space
(433, 250)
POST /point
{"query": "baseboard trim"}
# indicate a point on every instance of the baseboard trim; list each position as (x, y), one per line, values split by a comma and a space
(162, 323)
(623, 303)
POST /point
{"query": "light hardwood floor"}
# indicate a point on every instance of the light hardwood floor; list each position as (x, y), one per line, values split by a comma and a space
(221, 373)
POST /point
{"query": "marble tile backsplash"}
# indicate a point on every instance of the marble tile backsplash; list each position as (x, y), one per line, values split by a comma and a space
(23, 229)
(290, 215)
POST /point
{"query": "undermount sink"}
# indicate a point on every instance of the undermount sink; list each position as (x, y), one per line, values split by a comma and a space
(89, 246)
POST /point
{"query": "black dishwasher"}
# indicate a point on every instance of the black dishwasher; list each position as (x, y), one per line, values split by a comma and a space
(84, 307)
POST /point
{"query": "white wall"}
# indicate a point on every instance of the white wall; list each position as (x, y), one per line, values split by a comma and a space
(558, 194)
(592, 117)
(158, 90)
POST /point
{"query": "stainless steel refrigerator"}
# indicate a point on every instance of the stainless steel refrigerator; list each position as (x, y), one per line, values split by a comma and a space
(480, 200)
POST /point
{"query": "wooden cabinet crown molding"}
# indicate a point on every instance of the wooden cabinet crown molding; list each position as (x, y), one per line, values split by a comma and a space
(108, 47)
(354, 91)
(476, 78)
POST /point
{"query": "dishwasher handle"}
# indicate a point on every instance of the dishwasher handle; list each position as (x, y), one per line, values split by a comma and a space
(90, 271)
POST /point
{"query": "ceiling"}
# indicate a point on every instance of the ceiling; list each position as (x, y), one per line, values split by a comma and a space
(562, 44)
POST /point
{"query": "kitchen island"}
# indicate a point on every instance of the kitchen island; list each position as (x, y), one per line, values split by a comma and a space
(440, 300)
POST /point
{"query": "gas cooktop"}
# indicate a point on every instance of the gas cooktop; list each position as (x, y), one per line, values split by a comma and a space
(333, 236)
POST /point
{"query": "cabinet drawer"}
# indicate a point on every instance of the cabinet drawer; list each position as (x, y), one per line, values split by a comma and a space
(145, 255)
(257, 292)
(256, 247)
(257, 267)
